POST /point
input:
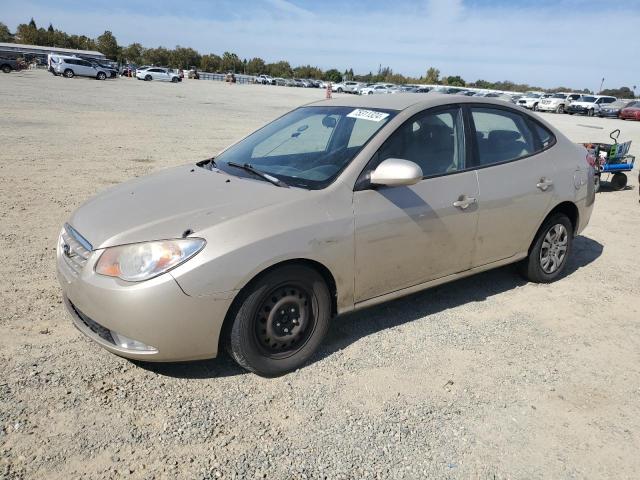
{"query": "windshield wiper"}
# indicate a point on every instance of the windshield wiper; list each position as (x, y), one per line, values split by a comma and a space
(250, 168)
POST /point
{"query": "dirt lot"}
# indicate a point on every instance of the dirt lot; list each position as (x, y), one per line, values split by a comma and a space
(489, 377)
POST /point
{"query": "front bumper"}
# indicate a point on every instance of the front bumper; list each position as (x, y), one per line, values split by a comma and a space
(547, 107)
(579, 110)
(156, 313)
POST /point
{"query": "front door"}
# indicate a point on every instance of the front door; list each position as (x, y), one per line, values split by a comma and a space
(408, 235)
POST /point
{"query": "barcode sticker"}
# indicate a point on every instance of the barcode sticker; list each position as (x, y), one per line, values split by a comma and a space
(371, 115)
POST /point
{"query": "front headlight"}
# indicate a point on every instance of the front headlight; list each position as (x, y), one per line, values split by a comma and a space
(142, 261)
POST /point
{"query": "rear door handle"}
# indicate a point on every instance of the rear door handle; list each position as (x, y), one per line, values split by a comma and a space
(544, 183)
(464, 202)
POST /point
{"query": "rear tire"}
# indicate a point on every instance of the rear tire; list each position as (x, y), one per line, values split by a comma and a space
(619, 181)
(560, 109)
(280, 321)
(550, 250)
(69, 73)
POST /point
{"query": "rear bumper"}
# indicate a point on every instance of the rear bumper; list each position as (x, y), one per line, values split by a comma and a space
(156, 313)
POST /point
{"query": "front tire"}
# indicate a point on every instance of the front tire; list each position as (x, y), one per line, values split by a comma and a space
(535, 107)
(68, 73)
(590, 112)
(560, 109)
(6, 68)
(175, 80)
(280, 321)
(101, 76)
(550, 250)
(147, 78)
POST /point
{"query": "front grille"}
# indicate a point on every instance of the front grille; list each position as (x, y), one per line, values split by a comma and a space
(102, 332)
(75, 249)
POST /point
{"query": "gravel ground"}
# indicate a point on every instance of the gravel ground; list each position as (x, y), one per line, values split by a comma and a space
(489, 377)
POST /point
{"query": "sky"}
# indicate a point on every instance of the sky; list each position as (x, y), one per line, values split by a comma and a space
(547, 43)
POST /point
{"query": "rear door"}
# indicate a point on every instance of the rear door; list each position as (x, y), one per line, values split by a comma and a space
(516, 170)
(408, 235)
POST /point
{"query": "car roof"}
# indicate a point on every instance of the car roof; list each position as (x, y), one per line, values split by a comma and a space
(402, 101)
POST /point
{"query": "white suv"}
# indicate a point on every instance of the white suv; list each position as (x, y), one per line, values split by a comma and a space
(589, 104)
(74, 66)
(531, 100)
(558, 102)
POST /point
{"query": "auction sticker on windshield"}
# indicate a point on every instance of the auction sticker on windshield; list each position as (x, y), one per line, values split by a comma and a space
(371, 115)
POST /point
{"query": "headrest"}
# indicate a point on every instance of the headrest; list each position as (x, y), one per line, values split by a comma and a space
(503, 136)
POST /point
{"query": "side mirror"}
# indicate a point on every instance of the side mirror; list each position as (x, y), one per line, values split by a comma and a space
(394, 172)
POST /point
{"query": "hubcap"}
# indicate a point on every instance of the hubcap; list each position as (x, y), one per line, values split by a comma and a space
(554, 248)
(284, 320)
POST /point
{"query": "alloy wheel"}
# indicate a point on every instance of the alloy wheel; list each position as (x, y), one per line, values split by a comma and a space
(554, 248)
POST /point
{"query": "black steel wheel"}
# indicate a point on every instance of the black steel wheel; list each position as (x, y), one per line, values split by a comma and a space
(279, 320)
(619, 181)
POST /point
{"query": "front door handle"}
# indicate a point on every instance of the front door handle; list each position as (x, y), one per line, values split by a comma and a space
(544, 183)
(464, 202)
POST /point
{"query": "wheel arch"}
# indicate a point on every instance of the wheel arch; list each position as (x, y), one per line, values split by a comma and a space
(313, 264)
(568, 208)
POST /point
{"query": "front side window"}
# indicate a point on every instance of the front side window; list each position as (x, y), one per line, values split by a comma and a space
(433, 139)
(501, 135)
(307, 147)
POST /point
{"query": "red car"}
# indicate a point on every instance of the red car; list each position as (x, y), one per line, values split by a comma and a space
(631, 112)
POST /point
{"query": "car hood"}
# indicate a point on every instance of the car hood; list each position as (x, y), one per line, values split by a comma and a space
(166, 204)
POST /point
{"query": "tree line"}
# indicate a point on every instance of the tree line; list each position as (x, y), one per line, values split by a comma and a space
(185, 57)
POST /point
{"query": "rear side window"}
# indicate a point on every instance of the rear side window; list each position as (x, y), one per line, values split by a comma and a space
(501, 135)
(545, 136)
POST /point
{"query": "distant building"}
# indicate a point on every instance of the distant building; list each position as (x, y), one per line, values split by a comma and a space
(40, 53)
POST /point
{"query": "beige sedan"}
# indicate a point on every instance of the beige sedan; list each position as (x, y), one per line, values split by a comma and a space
(335, 206)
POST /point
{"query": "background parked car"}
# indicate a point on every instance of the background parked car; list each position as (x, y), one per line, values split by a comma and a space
(557, 102)
(589, 104)
(530, 100)
(74, 66)
(613, 110)
(158, 74)
(265, 80)
(374, 90)
(631, 112)
(346, 87)
(9, 64)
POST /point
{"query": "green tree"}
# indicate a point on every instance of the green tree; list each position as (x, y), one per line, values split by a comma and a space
(307, 71)
(333, 75)
(456, 81)
(433, 76)
(231, 62)
(279, 69)
(156, 56)
(256, 66)
(27, 33)
(133, 53)
(210, 63)
(5, 34)
(107, 44)
(622, 92)
(182, 57)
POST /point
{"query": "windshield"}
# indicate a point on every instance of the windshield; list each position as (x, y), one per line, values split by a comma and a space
(587, 99)
(307, 147)
(559, 95)
(533, 95)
